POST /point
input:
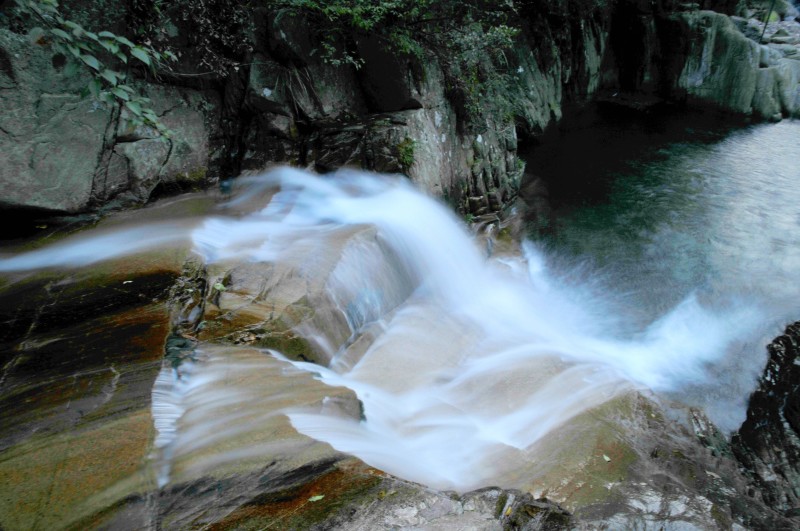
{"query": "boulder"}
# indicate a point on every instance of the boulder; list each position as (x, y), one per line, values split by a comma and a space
(184, 159)
(51, 138)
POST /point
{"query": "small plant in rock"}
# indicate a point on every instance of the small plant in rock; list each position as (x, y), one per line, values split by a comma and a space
(405, 153)
(97, 52)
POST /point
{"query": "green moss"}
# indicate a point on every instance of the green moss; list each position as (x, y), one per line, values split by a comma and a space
(720, 516)
(501, 504)
(290, 345)
(405, 153)
(197, 174)
(504, 235)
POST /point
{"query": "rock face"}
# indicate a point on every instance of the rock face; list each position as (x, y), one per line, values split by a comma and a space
(283, 104)
(64, 153)
(768, 443)
(705, 58)
(51, 139)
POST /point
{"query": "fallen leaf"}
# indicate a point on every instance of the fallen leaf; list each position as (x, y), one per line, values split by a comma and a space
(316, 498)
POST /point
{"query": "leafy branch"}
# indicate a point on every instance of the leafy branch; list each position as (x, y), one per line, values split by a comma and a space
(94, 50)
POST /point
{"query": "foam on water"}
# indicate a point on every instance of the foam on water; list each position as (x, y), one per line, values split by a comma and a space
(469, 360)
(478, 360)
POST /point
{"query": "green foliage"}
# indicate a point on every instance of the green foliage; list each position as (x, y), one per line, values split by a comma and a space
(405, 26)
(468, 39)
(405, 153)
(221, 33)
(99, 53)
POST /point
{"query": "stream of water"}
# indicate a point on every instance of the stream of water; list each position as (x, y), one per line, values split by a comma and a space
(670, 283)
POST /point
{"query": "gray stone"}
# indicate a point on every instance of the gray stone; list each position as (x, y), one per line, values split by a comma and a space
(145, 161)
(766, 100)
(52, 139)
(722, 63)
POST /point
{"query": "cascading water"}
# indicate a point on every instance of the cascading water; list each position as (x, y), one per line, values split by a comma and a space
(462, 363)
(474, 359)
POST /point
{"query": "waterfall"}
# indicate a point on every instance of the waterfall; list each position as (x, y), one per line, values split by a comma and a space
(464, 363)
(469, 360)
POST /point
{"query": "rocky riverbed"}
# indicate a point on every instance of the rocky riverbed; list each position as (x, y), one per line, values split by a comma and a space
(97, 359)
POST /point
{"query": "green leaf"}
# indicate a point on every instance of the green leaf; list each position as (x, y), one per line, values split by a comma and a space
(125, 41)
(91, 60)
(141, 54)
(73, 26)
(71, 69)
(122, 57)
(92, 36)
(153, 119)
(110, 76)
(134, 107)
(107, 97)
(219, 286)
(110, 46)
(74, 50)
(316, 498)
(121, 94)
(106, 35)
(61, 34)
(94, 87)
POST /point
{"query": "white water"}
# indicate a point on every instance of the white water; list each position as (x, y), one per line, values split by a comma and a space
(469, 360)
(481, 358)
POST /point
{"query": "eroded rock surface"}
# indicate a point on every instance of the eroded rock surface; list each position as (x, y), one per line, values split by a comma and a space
(768, 443)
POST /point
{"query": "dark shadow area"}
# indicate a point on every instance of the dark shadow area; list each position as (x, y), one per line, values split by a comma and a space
(579, 157)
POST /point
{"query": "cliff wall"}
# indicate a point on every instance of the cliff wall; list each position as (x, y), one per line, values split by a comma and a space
(277, 101)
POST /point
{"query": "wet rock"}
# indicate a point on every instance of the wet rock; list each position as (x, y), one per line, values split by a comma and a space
(75, 396)
(187, 297)
(268, 304)
(768, 443)
(144, 160)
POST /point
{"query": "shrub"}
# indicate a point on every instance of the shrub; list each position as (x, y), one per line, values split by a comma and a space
(102, 54)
